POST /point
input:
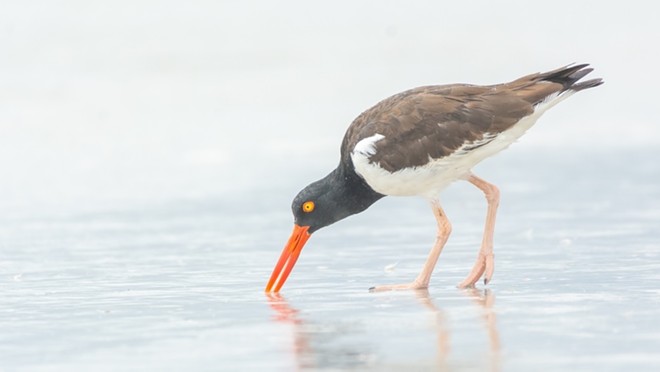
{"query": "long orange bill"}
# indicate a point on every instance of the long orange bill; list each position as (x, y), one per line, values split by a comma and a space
(288, 258)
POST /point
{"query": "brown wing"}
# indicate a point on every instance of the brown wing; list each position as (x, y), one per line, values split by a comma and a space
(432, 122)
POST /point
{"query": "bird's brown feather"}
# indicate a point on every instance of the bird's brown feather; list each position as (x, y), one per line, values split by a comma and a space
(432, 122)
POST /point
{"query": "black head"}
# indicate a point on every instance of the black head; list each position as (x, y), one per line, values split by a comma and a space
(324, 202)
(333, 198)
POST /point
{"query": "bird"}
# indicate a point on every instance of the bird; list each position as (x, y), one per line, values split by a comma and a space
(416, 143)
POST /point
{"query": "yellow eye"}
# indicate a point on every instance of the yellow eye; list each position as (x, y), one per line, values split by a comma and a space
(308, 206)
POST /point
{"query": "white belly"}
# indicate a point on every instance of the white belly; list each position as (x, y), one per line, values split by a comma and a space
(428, 180)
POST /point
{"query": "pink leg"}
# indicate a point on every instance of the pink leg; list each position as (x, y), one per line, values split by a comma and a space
(485, 261)
(422, 281)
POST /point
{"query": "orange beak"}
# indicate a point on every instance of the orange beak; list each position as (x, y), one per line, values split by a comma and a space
(288, 258)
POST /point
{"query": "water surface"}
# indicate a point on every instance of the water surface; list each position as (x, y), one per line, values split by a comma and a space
(179, 284)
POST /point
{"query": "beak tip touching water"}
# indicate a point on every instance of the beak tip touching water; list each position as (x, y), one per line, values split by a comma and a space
(288, 258)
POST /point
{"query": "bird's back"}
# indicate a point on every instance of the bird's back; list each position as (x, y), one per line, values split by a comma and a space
(434, 121)
(439, 125)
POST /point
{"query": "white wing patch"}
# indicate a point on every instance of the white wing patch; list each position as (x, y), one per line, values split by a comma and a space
(367, 146)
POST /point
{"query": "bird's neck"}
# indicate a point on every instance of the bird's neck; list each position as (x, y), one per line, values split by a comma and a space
(351, 190)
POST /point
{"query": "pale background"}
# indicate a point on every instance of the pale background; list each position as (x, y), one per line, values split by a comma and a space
(105, 102)
(149, 151)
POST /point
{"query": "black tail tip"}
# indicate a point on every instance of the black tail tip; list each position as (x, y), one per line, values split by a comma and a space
(568, 76)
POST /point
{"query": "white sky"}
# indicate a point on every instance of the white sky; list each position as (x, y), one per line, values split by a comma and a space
(147, 99)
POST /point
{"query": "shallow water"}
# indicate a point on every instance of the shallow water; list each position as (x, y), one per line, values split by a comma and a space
(179, 284)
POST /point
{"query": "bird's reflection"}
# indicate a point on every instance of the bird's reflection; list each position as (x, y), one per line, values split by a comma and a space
(283, 312)
(486, 300)
(301, 344)
(440, 325)
(311, 344)
(319, 344)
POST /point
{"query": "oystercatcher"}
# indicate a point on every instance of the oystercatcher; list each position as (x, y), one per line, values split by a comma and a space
(416, 143)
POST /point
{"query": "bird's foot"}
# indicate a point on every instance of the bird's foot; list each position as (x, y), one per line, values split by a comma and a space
(400, 287)
(485, 266)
